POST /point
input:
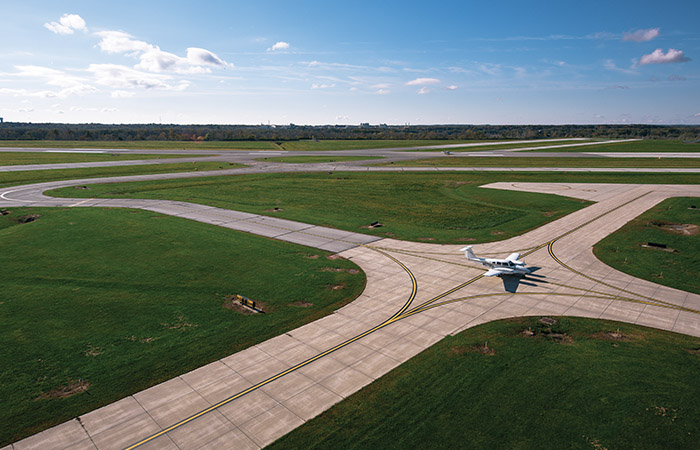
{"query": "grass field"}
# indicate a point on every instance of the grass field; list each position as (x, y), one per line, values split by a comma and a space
(439, 208)
(647, 145)
(609, 386)
(506, 146)
(14, 158)
(460, 161)
(680, 268)
(39, 176)
(317, 159)
(146, 145)
(358, 144)
(124, 299)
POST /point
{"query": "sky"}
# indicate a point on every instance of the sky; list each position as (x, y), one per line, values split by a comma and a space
(321, 62)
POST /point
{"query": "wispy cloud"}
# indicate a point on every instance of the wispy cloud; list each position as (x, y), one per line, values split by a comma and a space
(610, 65)
(423, 81)
(67, 24)
(641, 35)
(659, 57)
(424, 90)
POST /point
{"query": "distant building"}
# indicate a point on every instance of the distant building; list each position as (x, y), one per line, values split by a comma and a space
(1, 120)
(364, 125)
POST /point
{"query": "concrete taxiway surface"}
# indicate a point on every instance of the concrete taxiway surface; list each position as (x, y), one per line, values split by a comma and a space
(416, 294)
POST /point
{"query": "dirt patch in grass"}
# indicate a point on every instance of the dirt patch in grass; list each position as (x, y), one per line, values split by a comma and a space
(694, 351)
(339, 270)
(685, 229)
(93, 351)
(302, 304)
(613, 336)
(562, 338)
(426, 239)
(72, 388)
(549, 213)
(311, 256)
(333, 257)
(335, 287)
(496, 233)
(274, 210)
(180, 324)
(465, 239)
(28, 219)
(671, 413)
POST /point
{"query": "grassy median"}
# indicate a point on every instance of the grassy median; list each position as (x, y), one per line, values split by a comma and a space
(97, 304)
(579, 384)
(40, 176)
(675, 224)
(429, 207)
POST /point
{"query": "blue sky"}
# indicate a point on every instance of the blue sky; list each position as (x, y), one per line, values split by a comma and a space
(313, 62)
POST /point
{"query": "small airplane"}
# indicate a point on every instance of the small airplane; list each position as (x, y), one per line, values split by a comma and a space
(499, 267)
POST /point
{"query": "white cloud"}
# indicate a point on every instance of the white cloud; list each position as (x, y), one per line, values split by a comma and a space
(383, 92)
(659, 57)
(203, 57)
(322, 86)
(641, 35)
(424, 90)
(281, 45)
(381, 86)
(118, 76)
(452, 87)
(67, 24)
(120, 42)
(423, 81)
(153, 59)
(69, 84)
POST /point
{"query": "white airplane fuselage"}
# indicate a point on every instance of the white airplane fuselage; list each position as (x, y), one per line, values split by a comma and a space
(498, 267)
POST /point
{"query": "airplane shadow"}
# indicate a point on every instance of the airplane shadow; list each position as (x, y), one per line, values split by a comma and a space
(511, 282)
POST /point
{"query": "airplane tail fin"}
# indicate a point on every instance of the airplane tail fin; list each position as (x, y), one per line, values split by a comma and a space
(468, 253)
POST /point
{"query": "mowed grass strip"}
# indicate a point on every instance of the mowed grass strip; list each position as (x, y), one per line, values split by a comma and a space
(440, 208)
(39, 176)
(359, 144)
(504, 145)
(430, 207)
(646, 145)
(566, 162)
(17, 158)
(579, 384)
(145, 145)
(674, 223)
(116, 300)
(317, 159)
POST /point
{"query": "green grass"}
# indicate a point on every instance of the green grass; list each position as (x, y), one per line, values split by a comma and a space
(38, 176)
(14, 158)
(681, 269)
(358, 144)
(506, 146)
(648, 145)
(124, 299)
(437, 208)
(146, 145)
(505, 161)
(532, 393)
(317, 159)
(440, 208)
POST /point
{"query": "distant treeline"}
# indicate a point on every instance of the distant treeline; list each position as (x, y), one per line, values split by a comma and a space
(158, 132)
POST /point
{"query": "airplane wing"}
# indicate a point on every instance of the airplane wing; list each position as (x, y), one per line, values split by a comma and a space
(493, 272)
(513, 257)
